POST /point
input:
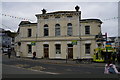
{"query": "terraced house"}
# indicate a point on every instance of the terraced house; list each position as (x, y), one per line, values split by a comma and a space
(57, 35)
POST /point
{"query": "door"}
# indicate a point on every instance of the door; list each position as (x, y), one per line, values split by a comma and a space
(46, 51)
(70, 51)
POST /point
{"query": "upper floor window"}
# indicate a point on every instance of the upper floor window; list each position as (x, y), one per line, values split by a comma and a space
(29, 32)
(46, 31)
(57, 30)
(69, 29)
(87, 29)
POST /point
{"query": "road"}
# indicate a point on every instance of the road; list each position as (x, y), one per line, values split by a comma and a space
(22, 67)
(55, 68)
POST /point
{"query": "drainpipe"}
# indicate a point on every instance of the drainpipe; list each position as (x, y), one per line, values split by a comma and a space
(37, 33)
(79, 35)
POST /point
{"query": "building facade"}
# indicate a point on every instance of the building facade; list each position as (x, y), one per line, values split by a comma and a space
(117, 44)
(58, 35)
(5, 39)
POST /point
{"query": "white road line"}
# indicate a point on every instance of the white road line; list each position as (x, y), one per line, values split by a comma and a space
(44, 71)
(32, 69)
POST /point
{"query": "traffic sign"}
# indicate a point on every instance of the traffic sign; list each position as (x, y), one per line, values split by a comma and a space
(33, 43)
(74, 42)
(108, 46)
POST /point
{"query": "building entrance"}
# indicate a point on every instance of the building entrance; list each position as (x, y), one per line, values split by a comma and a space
(70, 51)
(46, 51)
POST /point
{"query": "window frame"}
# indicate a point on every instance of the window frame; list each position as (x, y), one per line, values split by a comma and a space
(29, 48)
(87, 29)
(29, 32)
(87, 48)
(69, 29)
(57, 30)
(46, 30)
(58, 48)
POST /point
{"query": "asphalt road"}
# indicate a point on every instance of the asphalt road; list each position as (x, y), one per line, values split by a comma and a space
(8, 69)
(54, 68)
(29, 67)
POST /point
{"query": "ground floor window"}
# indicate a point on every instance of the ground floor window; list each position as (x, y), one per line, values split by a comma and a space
(58, 48)
(87, 48)
(29, 48)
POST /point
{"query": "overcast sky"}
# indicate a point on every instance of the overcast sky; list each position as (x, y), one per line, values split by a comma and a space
(99, 10)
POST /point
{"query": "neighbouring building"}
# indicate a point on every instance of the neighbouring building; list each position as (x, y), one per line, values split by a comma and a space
(117, 44)
(57, 35)
(5, 39)
(112, 40)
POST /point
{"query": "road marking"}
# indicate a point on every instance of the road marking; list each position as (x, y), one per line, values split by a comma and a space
(44, 71)
(31, 69)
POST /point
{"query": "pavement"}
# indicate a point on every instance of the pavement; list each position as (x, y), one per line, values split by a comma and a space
(61, 62)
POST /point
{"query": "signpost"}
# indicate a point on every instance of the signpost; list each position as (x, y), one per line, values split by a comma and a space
(74, 42)
(33, 43)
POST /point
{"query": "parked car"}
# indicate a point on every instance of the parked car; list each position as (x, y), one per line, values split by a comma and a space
(5, 50)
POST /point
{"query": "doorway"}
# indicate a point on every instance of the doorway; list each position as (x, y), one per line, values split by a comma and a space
(70, 51)
(46, 51)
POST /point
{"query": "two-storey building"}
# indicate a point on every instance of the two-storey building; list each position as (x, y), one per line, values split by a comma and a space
(55, 33)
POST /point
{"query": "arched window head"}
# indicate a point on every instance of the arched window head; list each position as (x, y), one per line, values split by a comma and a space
(57, 30)
(46, 30)
(69, 29)
(45, 25)
(57, 25)
(69, 25)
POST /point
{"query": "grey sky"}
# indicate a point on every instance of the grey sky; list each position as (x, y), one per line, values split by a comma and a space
(99, 10)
